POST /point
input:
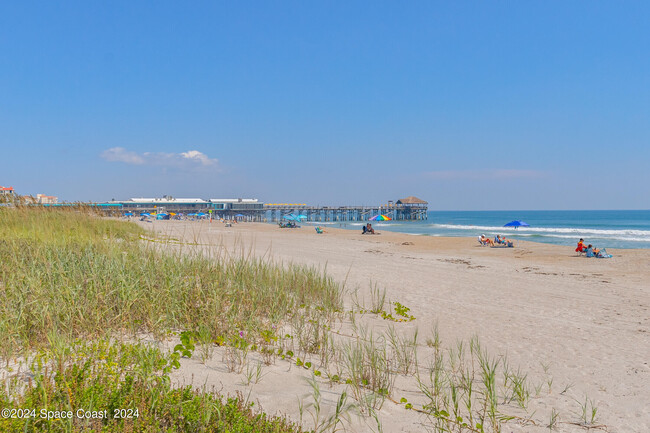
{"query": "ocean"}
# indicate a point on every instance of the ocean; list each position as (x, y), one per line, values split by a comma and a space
(609, 229)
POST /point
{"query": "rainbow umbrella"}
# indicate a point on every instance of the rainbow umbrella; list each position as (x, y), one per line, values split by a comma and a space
(380, 218)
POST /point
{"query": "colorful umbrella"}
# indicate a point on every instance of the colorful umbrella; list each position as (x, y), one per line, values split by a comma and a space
(380, 218)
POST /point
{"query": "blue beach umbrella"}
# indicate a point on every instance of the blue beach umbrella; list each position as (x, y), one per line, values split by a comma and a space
(239, 215)
(302, 217)
(128, 214)
(290, 217)
(517, 223)
(145, 214)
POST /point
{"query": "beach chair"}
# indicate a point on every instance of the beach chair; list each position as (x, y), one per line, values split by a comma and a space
(319, 230)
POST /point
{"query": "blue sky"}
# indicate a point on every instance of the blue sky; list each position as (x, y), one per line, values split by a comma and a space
(469, 105)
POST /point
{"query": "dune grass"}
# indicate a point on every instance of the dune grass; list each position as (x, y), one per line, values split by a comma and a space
(82, 276)
(115, 387)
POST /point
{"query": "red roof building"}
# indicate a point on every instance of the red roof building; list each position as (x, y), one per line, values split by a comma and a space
(6, 190)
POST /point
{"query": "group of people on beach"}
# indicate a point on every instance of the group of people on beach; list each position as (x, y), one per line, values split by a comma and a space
(498, 241)
(591, 251)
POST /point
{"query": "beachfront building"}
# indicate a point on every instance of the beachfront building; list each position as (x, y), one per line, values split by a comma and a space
(164, 204)
(250, 209)
(46, 199)
(7, 191)
(7, 195)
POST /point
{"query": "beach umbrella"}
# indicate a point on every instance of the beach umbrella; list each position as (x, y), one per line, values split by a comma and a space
(302, 217)
(239, 215)
(128, 214)
(290, 217)
(145, 214)
(380, 218)
(517, 223)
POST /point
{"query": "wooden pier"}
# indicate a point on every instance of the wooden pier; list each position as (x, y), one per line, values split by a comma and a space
(410, 208)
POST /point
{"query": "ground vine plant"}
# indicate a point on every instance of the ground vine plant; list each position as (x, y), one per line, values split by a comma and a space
(69, 278)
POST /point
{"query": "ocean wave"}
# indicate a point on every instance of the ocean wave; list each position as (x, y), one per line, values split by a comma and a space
(610, 237)
(522, 231)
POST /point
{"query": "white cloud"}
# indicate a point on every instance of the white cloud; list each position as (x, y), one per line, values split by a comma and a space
(202, 158)
(120, 154)
(189, 159)
(485, 174)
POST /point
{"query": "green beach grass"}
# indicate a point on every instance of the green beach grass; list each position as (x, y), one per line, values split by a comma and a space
(67, 277)
(82, 276)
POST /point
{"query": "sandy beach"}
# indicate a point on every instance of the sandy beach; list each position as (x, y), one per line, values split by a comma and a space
(578, 327)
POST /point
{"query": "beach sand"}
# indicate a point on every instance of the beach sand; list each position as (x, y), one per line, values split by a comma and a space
(583, 324)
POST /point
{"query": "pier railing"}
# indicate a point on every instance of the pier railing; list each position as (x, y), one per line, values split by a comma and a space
(347, 213)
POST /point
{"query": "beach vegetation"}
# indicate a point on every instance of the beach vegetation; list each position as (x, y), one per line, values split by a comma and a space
(82, 276)
(121, 387)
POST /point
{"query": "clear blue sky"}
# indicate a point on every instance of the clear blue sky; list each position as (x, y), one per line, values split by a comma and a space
(469, 105)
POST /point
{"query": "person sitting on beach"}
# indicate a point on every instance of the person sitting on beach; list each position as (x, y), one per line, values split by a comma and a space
(497, 240)
(368, 230)
(581, 246)
(486, 241)
(589, 251)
